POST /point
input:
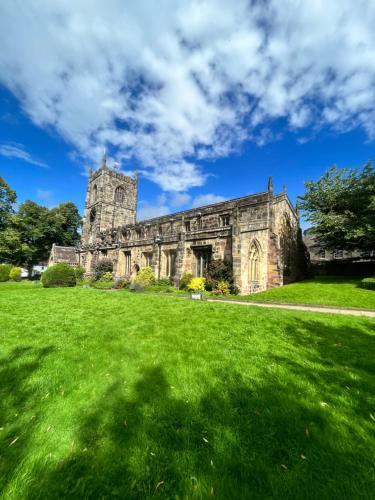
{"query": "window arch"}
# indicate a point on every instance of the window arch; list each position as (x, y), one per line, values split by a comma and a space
(119, 195)
(286, 238)
(94, 193)
(254, 261)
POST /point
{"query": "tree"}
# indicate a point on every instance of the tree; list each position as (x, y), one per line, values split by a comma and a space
(31, 232)
(341, 208)
(33, 224)
(65, 224)
(7, 199)
(12, 250)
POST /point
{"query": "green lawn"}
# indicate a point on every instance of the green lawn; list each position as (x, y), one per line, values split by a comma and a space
(120, 395)
(324, 290)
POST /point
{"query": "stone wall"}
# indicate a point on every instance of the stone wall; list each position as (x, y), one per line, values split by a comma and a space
(257, 234)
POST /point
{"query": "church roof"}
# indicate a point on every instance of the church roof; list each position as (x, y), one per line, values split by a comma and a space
(64, 254)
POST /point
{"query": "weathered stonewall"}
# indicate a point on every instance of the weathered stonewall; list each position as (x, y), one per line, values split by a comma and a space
(259, 234)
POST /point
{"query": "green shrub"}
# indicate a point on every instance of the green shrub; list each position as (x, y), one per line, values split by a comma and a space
(102, 284)
(120, 283)
(59, 275)
(103, 266)
(185, 280)
(145, 276)
(136, 286)
(162, 285)
(166, 282)
(196, 285)
(106, 277)
(218, 270)
(368, 283)
(15, 274)
(210, 284)
(5, 271)
(79, 271)
(222, 288)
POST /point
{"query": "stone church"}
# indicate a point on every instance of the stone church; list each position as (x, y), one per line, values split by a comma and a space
(258, 234)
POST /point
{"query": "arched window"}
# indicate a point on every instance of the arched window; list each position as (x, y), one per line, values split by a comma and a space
(254, 262)
(286, 240)
(92, 215)
(119, 195)
(94, 193)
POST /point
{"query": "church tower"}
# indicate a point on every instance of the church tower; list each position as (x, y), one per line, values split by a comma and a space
(111, 201)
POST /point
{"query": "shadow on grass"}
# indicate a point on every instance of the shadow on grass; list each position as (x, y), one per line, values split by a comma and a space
(17, 398)
(293, 433)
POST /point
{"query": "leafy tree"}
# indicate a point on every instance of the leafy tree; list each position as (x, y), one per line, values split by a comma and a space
(33, 224)
(12, 249)
(65, 224)
(341, 208)
(7, 199)
(30, 233)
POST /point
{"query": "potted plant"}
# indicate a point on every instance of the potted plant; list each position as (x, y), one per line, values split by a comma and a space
(196, 287)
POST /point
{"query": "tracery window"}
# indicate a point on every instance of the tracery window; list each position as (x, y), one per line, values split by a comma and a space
(94, 193)
(119, 195)
(147, 259)
(203, 257)
(254, 262)
(286, 244)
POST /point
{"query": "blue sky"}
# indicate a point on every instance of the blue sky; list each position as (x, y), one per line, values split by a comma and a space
(205, 99)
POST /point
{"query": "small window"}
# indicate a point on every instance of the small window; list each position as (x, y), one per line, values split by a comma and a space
(224, 220)
(147, 258)
(138, 233)
(128, 262)
(199, 222)
(187, 226)
(170, 263)
(322, 254)
(202, 260)
(338, 254)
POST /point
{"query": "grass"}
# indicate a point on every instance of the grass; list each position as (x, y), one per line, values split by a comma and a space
(325, 290)
(119, 395)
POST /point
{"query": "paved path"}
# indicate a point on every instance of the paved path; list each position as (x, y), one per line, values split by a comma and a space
(370, 313)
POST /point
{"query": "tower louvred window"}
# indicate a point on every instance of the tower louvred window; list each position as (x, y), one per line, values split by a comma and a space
(120, 195)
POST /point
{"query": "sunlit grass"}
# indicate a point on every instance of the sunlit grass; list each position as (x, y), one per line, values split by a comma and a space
(118, 395)
(324, 290)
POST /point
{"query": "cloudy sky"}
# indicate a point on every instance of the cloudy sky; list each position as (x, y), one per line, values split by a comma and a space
(205, 98)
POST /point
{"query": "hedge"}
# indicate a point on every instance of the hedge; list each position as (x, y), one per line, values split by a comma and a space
(368, 283)
(59, 275)
(5, 271)
(15, 273)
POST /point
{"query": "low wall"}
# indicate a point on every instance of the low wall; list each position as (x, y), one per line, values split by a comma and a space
(343, 267)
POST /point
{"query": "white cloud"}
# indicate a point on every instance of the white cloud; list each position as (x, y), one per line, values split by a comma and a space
(45, 196)
(167, 84)
(207, 199)
(167, 203)
(149, 211)
(180, 199)
(17, 151)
